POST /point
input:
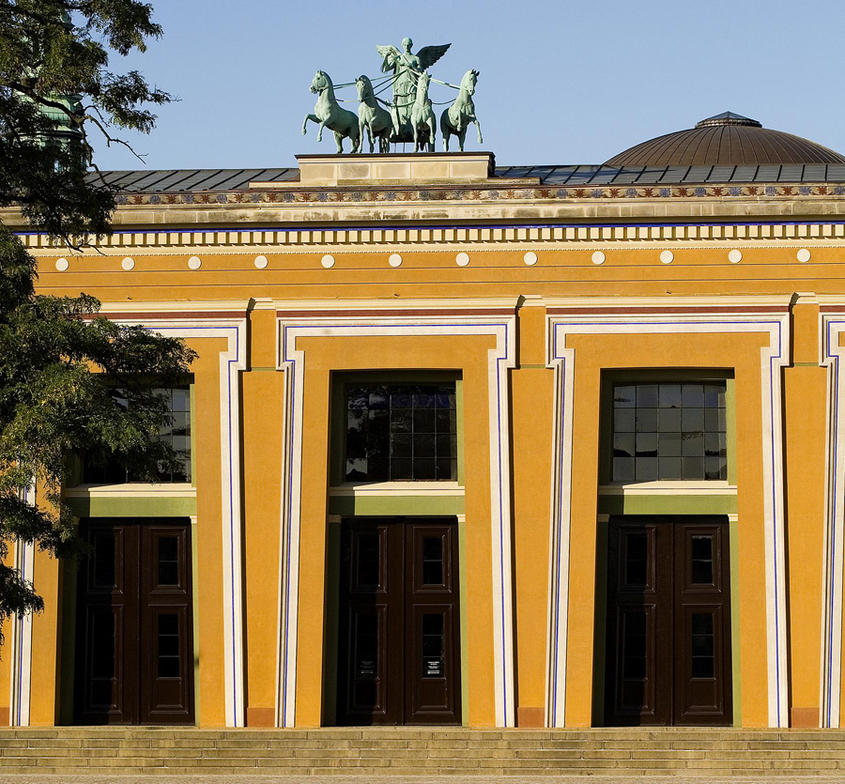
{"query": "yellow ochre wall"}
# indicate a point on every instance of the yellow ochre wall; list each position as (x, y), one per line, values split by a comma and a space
(262, 477)
(805, 388)
(324, 355)
(592, 354)
(296, 275)
(493, 271)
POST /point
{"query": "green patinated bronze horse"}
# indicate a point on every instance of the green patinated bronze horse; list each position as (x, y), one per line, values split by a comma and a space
(456, 119)
(422, 116)
(374, 118)
(328, 114)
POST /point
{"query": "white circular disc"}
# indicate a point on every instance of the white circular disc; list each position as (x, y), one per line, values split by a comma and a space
(462, 259)
(128, 263)
(803, 255)
(327, 261)
(666, 257)
(194, 263)
(530, 258)
(735, 256)
(62, 264)
(261, 262)
(599, 257)
(395, 260)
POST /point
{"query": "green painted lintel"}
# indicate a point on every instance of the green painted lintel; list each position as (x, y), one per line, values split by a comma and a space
(143, 506)
(667, 504)
(413, 505)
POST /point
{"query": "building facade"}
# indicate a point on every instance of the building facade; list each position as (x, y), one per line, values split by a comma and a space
(520, 446)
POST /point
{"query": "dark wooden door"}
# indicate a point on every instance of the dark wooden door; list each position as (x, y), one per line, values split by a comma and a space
(399, 654)
(370, 664)
(134, 648)
(668, 656)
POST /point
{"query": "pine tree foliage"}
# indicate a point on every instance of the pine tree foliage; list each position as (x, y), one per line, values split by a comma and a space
(65, 372)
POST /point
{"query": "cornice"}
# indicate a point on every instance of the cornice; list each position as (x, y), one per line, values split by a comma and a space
(456, 204)
(432, 239)
(504, 191)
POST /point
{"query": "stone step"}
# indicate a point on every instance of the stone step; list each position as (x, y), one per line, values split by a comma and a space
(422, 752)
(433, 751)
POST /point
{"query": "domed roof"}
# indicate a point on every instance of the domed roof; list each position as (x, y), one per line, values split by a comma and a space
(725, 139)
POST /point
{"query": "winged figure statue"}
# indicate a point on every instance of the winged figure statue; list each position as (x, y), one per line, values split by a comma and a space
(406, 67)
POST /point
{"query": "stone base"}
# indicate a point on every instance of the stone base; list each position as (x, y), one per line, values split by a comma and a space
(260, 717)
(530, 717)
(804, 717)
(431, 168)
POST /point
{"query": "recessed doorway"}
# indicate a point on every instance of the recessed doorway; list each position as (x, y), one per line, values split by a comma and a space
(398, 643)
(668, 652)
(134, 647)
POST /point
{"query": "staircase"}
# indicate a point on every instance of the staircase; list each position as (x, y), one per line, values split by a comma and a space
(415, 751)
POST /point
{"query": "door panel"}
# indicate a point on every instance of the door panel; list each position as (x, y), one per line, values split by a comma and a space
(134, 629)
(167, 671)
(639, 624)
(370, 668)
(398, 659)
(668, 622)
(702, 611)
(107, 620)
(431, 675)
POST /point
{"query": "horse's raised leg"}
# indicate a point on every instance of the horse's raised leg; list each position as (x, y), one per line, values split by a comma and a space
(320, 132)
(478, 125)
(313, 118)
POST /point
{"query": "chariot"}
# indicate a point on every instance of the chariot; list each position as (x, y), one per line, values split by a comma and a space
(408, 117)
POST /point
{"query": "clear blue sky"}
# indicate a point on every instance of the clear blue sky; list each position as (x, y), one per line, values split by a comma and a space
(561, 82)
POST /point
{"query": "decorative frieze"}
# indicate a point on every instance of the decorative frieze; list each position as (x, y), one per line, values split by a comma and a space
(279, 194)
(225, 241)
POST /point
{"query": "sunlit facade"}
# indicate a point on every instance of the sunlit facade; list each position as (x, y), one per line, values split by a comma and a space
(515, 446)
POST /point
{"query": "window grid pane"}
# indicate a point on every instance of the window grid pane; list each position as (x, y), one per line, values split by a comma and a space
(669, 431)
(401, 432)
(176, 431)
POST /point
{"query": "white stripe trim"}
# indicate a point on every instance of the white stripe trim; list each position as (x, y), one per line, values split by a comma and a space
(232, 360)
(831, 328)
(772, 358)
(500, 360)
(21, 681)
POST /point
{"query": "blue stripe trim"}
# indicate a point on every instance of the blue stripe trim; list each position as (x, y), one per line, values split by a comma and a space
(775, 505)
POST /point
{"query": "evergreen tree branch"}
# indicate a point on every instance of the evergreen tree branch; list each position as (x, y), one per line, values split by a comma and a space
(71, 381)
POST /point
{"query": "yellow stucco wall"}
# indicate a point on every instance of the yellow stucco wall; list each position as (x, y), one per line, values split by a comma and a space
(295, 275)
(468, 355)
(432, 272)
(805, 391)
(593, 353)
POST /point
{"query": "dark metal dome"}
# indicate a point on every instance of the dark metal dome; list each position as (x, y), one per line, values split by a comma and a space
(725, 139)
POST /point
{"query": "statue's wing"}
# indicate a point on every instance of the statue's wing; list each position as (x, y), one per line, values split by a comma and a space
(388, 55)
(429, 55)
